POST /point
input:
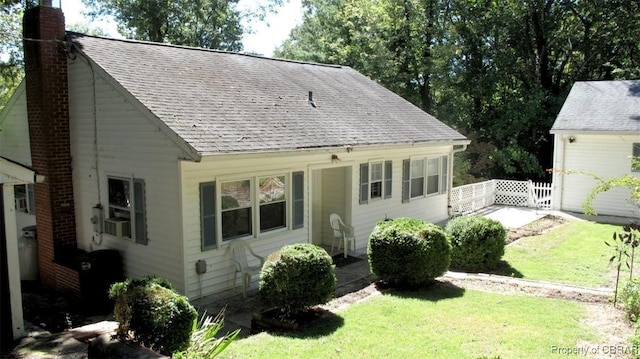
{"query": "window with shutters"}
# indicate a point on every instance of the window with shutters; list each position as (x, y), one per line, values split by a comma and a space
(126, 213)
(375, 180)
(250, 206)
(422, 177)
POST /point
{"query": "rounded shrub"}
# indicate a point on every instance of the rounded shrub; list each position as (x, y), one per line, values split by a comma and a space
(296, 277)
(408, 251)
(630, 299)
(153, 313)
(477, 243)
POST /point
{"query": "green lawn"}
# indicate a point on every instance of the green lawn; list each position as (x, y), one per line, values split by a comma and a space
(450, 322)
(573, 253)
(443, 322)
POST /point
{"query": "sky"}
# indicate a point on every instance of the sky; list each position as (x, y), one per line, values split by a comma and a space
(266, 37)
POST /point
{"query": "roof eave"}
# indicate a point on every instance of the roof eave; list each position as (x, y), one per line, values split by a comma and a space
(348, 148)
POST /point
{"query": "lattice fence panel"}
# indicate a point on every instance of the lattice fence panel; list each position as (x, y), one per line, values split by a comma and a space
(469, 198)
(512, 193)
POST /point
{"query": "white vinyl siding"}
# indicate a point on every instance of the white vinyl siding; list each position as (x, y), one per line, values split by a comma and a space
(14, 129)
(315, 175)
(122, 141)
(606, 156)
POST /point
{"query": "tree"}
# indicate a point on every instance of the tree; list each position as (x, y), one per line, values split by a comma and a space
(496, 71)
(213, 24)
(391, 41)
(11, 60)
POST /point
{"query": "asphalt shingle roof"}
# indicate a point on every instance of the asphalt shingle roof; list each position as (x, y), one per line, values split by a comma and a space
(221, 102)
(601, 106)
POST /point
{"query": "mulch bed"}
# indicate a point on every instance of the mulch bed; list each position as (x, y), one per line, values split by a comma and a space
(340, 261)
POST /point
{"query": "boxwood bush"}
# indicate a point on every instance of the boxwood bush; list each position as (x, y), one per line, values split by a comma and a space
(408, 251)
(297, 277)
(477, 243)
(151, 313)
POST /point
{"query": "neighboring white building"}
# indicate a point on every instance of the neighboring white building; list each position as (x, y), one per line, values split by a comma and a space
(171, 147)
(597, 131)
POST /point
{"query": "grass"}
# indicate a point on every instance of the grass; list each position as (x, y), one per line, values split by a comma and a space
(451, 322)
(573, 253)
(443, 322)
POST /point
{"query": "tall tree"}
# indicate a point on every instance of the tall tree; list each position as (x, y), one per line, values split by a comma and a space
(11, 59)
(391, 41)
(498, 71)
(214, 24)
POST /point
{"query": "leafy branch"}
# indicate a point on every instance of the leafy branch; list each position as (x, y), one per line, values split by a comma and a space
(624, 245)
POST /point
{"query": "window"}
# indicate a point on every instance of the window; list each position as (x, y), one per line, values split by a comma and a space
(424, 177)
(236, 209)
(417, 178)
(273, 205)
(433, 175)
(24, 198)
(259, 201)
(127, 209)
(375, 180)
(636, 155)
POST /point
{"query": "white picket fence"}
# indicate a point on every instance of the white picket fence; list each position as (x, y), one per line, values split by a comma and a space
(472, 197)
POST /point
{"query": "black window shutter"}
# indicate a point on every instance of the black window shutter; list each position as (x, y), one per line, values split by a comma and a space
(388, 175)
(140, 213)
(406, 180)
(364, 183)
(298, 199)
(208, 215)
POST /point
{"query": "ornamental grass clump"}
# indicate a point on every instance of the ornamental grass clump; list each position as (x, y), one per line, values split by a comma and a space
(477, 243)
(297, 277)
(408, 251)
(149, 311)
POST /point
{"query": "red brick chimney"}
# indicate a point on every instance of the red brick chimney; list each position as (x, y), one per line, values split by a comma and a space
(48, 112)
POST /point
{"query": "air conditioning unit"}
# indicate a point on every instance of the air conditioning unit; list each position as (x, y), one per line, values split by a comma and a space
(118, 227)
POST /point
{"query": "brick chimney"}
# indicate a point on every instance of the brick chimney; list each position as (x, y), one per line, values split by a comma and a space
(48, 112)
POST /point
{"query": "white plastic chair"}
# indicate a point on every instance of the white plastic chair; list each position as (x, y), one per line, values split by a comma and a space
(343, 234)
(238, 249)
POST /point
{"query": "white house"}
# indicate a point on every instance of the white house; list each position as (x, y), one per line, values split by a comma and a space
(174, 151)
(597, 131)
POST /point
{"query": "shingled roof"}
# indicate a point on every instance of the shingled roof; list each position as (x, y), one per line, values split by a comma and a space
(222, 102)
(601, 106)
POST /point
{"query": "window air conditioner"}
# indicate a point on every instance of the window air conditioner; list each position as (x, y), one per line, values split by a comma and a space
(118, 227)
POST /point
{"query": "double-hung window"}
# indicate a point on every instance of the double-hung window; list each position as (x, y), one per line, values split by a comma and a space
(24, 198)
(424, 177)
(273, 204)
(126, 209)
(237, 209)
(250, 206)
(375, 180)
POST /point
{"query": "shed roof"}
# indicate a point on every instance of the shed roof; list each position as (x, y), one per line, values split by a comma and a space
(601, 106)
(222, 102)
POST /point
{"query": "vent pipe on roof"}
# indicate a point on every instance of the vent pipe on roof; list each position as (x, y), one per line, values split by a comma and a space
(311, 99)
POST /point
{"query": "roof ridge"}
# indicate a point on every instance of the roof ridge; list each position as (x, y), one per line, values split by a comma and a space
(163, 44)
